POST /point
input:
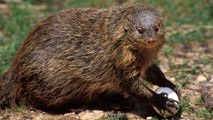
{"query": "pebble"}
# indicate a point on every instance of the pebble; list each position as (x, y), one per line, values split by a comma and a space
(148, 118)
(131, 116)
(93, 115)
(172, 79)
(201, 78)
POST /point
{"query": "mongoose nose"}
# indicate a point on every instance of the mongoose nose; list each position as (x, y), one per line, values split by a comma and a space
(151, 41)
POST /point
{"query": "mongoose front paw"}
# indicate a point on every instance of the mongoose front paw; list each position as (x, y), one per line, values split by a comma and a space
(166, 106)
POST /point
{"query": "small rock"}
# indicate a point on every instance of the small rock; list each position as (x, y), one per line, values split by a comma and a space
(179, 61)
(132, 116)
(94, 115)
(193, 86)
(201, 78)
(148, 118)
(98, 114)
(164, 68)
(69, 114)
(172, 79)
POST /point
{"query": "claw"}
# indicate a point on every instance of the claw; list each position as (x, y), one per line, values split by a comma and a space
(164, 94)
(173, 105)
(167, 107)
(170, 111)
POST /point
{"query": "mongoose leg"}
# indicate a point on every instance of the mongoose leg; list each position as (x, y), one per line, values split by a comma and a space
(154, 75)
(143, 93)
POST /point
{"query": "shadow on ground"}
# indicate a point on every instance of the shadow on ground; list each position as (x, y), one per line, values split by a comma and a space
(115, 104)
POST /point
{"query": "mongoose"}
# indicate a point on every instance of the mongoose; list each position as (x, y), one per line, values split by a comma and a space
(75, 55)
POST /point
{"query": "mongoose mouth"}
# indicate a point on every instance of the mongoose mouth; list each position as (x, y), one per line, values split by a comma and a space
(149, 43)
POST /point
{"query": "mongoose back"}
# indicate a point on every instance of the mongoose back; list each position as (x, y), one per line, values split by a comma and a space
(75, 55)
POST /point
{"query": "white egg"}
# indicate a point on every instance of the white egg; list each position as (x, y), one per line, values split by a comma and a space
(172, 95)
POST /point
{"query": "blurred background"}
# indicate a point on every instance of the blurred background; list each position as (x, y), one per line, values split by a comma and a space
(187, 58)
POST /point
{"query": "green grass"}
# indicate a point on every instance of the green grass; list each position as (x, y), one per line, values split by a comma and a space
(15, 29)
(185, 12)
(199, 101)
(115, 117)
(185, 106)
(202, 113)
(195, 35)
(205, 114)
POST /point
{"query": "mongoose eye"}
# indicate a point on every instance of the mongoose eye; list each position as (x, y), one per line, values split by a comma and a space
(156, 29)
(141, 30)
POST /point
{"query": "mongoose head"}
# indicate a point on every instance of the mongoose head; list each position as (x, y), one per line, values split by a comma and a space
(145, 27)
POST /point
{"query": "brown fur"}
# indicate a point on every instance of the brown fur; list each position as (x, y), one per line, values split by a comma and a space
(77, 54)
